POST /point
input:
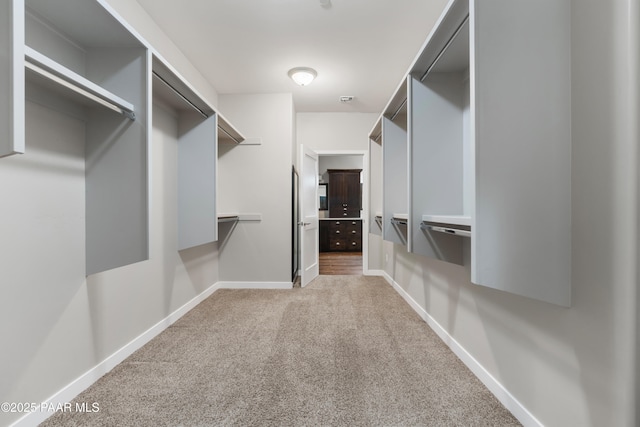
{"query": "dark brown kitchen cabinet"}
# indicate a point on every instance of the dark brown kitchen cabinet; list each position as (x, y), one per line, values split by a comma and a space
(344, 193)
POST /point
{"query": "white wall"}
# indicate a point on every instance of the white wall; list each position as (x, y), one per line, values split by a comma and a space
(568, 366)
(338, 162)
(257, 179)
(334, 131)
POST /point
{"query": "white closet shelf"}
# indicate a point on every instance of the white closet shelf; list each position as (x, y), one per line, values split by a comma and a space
(179, 94)
(228, 217)
(460, 220)
(446, 230)
(397, 105)
(57, 76)
(400, 219)
(239, 217)
(459, 225)
(227, 132)
(376, 132)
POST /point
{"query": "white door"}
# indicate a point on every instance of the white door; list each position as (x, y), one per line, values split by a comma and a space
(309, 230)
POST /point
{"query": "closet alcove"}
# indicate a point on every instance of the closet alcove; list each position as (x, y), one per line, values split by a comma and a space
(200, 129)
(484, 154)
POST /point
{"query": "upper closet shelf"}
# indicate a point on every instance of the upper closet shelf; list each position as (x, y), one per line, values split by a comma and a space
(61, 79)
(397, 105)
(376, 132)
(227, 132)
(177, 93)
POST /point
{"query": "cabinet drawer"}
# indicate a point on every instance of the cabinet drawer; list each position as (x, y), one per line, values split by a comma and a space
(338, 244)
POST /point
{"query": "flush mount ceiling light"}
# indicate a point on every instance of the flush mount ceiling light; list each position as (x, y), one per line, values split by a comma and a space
(302, 75)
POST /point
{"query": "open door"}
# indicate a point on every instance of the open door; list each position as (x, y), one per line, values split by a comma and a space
(309, 230)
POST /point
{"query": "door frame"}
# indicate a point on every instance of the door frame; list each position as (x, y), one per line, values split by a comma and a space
(365, 197)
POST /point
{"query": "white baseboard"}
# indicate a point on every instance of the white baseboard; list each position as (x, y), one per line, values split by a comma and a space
(255, 285)
(72, 390)
(375, 273)
(498, 390)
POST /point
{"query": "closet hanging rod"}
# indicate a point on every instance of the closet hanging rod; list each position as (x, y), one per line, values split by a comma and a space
(177, 92)
(56, 73)
(446, 230)
(228, 134)
(398, 221)
(393, 116)
(444, 49)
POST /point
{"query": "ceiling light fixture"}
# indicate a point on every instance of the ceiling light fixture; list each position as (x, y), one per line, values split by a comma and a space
(302, 75)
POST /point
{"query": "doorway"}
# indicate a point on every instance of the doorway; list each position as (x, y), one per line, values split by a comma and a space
(343, 235)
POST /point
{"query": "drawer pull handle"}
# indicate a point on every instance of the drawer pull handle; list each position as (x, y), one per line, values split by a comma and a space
(353, 231)
(353, 243)
(337, 231)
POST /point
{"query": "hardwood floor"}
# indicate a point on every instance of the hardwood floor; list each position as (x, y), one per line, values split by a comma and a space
(333, 263)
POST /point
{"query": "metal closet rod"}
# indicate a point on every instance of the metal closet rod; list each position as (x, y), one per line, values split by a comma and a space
(398, 221)
(228, 134)
(177, 92)
(393, 116)
(83, 91)
(444, 49)
(447, 230)
(433, 64)
(205, 115)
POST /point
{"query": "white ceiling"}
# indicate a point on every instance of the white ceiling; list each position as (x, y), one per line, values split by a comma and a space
(361, 48)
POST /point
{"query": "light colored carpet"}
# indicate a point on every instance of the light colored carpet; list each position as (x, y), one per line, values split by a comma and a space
(345, 350)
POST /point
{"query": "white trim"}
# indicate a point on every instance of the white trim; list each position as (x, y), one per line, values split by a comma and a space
(376, 273)
(255, 285)
(498, 390)
(365, 196)
(73, 389)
